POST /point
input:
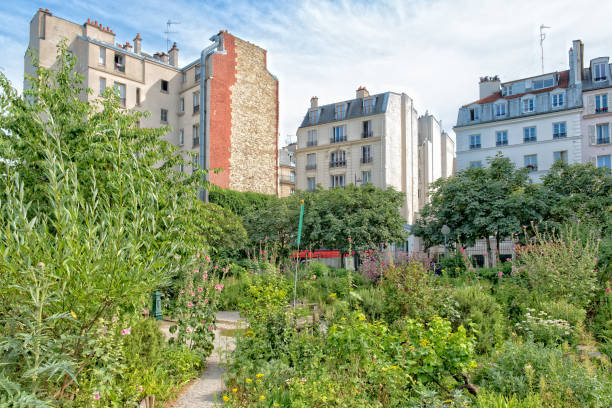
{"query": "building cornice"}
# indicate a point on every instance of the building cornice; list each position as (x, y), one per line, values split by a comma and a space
(519, 119)
(539, 142)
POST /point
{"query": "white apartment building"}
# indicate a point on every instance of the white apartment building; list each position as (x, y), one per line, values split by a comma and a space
(533, 121)
(370, 139)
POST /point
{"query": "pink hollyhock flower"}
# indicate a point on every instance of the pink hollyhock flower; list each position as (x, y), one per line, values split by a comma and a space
(200, 289)
(196, 271)
(349, 239)
(192, 293)
(198, 255)
(205, 276)
(607, 290)
(579, 220)
(207, 258)
(127, 331)
(598, 239)
(189, 304)
(104, 330)
(500, 274)
(211, 328)
(96, 395)
(114, 319)
(219, 287)
(205, 300)
(188, 330)
(140, 388)
(198, 304)
(216, 266)
(182, 291)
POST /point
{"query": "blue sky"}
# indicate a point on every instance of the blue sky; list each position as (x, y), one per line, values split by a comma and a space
(434, 50)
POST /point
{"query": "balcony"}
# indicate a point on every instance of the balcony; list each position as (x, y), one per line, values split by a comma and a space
(337, 163)
(311, 143)
(367, 134)
(367, 159)
(287, 179)
(196, 142)
(601, 110)
(120, 67)
(601, 78)
(196, 109)
(311, 166)
(501, 143)
(532, 167)
(559, 135)
(475, 146)
(337, 139)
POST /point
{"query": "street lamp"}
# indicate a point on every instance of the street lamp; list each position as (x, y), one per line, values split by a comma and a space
(445, 231)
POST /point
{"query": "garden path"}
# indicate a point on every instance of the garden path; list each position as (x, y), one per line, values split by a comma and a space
(207, 390)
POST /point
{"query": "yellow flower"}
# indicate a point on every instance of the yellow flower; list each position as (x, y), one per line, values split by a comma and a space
(361, 317)
(259, 375)
(73, 314)
(262, 397)
(249, 333)
(235, 390)
(248, 380)
(276, 404)
(332, 295)
(225, 398)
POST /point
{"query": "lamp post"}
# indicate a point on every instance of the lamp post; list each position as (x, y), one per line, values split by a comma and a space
(445, 231)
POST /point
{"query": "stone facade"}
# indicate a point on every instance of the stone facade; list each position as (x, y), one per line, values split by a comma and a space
(240, 109)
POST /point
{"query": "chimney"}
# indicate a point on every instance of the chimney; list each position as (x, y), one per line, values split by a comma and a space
(362, 92)
(163, 57)
(489, 86)
(137, 43)
(173, 53)
(127, 46)
(314, 102)
(576, 62)
(156, 56)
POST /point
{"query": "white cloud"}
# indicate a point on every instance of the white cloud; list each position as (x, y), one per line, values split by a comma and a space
(435, 51)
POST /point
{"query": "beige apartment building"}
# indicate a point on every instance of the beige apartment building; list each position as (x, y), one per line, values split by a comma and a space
(286, 170)
(222, 108)
(371, 139)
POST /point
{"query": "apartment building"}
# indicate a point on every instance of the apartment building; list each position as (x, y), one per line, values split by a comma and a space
(369, 139)
(222, 108)
(534, 121)
(286, 170)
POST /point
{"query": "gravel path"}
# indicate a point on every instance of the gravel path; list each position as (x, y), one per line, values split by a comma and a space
(207, 390)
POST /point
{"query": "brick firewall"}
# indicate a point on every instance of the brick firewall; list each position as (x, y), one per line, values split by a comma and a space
(224, 76)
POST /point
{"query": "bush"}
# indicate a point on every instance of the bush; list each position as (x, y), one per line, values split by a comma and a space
(319, 269)
(453, 264)
(481, 315)
(542, 328)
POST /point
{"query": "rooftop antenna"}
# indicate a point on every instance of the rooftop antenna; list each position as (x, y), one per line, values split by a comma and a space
(542, 38)
(168, 31)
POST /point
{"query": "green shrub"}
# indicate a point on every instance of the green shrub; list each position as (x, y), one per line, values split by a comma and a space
(372, 301)
(488, 399)
(453, 264)
(319, 269)
(540, 327)
(145, 345)
(481, 315)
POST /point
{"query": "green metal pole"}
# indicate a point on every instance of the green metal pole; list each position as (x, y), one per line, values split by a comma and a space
(297, 259)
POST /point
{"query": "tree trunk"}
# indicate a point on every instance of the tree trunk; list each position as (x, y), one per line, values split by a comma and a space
(488, 255)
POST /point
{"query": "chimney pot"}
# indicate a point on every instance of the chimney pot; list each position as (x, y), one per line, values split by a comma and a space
(137, 43)
(314, 102)
(362, 92)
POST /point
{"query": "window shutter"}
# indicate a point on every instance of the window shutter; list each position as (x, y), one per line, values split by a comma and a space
(591, 103)
(592, 134)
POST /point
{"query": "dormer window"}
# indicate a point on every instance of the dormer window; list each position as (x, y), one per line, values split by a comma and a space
(528, 105)
(474, 113)
(368, 105)
(543, 83)
(340, 112)
(500, 109)
(507, 90)
(313, 116)
(599, 72)
(558, 100)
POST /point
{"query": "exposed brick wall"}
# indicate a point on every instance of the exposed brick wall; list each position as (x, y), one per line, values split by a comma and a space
(224, 77)
(254, 121)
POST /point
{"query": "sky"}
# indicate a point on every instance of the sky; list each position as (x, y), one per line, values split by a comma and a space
(435, 51)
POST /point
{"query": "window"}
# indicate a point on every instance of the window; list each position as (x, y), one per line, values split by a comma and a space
(543, 83)
(366, 177)
(312, 138)
(557, 100)
(311, 161)
(181, 168)
(475, 142)
(184, 77)
(292, 176)
(368, 105)
(507, 90)
(339, 134)
(197, 73)
(500, 109)
(601, 103)
(531, 162)
(137, 96)
(121, 89)
(196, 102)
(474, 114)
(181, 137)
(340, 112)
(501, 138)
(196, 135)
(182, 105)
(337, 159)
(313, 116)
(102, 85)
(475, 164)
(164, 85)
(599, 72)
(292, 191)
(164, 115)
(562, 155)
(102, 60)
(311, 184)
(366, 154)
(196, 161)
(528, 105)
(529, 134)
(337, 180)
(559, 130)
(367, 129)
(119, 63)
(604, 161)
(603, 134)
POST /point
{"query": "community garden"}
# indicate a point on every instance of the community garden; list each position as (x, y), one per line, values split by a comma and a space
(95, 219)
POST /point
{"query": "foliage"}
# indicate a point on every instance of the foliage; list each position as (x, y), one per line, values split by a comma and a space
(454, 264)
(241, 203)
(372, 264)
(541, 328)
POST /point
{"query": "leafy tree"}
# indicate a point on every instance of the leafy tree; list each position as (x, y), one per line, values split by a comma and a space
(478, 203)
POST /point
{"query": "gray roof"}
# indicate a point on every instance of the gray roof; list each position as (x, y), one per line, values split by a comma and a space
(588, 84)
(354, 110)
